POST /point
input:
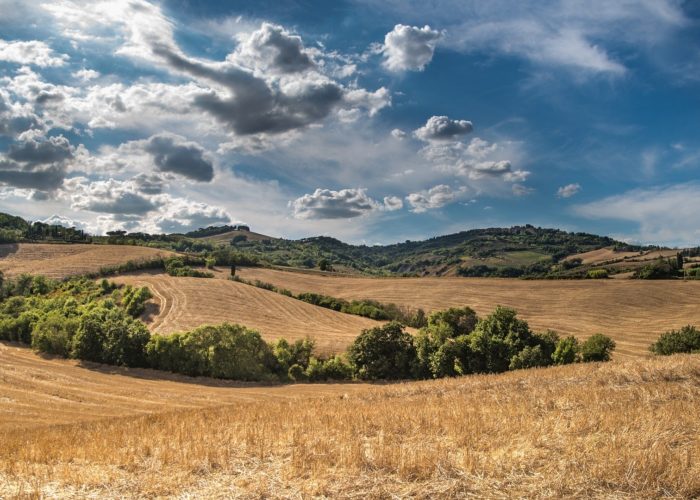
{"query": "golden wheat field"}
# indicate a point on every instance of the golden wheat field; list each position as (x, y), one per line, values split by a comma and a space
(616, 430)
(60, 260)
(633, 312)
(186, 303)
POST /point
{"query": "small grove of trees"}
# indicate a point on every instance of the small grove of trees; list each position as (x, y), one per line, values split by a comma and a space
(683, 340)
(455, 342)
(661, 268)
(597, 274)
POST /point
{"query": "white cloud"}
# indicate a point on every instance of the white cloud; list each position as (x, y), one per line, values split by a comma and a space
(665, 214)
(343, 204)
(397, 133)
(86, 74)
(442, 128)
(568, 191)
(435, 197)
(31, 52)
(574, 35)
(409, 48)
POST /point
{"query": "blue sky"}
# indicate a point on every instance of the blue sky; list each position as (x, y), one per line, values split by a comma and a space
(371, 121)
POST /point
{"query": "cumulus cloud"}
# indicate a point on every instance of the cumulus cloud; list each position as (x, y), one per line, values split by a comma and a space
(664, 214)
(37, 163)
(31, 52)
(182, 215)
(272, 48)
(15, 117)
(41, 179)
(442, 128)
(343, 204)
(110, 196)
(62, 220)
(39, 152)
(409, 48)
(86, 74)
(435, 197)
(172, 153)
(568, 191)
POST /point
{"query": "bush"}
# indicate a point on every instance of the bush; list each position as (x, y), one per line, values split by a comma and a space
(567, 351)
(460, 320)
(53, 333)
(134, 300)
(383, 352)
(530, 357)
(687, 339)
(597, 274)
(597, 347)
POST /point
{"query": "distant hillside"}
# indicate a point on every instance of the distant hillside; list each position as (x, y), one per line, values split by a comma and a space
(520, 251)
(516, 252)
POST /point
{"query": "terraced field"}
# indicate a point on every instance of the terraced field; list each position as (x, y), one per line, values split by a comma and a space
(58, 261)
(633, 312)
(186, 303)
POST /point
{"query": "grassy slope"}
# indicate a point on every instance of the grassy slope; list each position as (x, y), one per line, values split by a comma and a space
(623, 430)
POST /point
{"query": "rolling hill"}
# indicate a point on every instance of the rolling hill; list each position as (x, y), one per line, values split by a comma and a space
(633, 312)
(186, 303)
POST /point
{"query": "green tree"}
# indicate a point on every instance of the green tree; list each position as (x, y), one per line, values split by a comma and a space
(54, 332)
(567, 351)
(686, 339)
(498, 337)
(383, 352)
(597, 347)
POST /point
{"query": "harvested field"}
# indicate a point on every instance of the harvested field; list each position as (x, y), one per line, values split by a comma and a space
(39, 391)
(633, 312)
(58, 261)
(186, 303)
(614, 430)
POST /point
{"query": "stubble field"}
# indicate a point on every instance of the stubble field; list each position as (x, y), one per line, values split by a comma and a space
(633, 312)
(614, 430)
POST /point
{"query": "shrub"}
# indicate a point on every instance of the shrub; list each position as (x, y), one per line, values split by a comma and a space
(383, 352)
(54, 333)
(597, 347)
(530, 357)
(210, 262)
(597, 274)
(687, 339)
(336, 368)
(567, 351)
(134, 300)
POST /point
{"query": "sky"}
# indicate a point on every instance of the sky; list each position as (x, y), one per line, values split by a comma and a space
(372, 121)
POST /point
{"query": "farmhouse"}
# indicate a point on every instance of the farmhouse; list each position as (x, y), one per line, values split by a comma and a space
(241, 227)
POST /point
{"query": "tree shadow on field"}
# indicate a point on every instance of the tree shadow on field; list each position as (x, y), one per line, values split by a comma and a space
(7, 249)
(158, 375)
